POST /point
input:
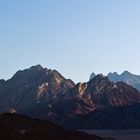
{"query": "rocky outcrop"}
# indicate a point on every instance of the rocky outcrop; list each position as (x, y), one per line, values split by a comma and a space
(81, 88)
(42, 90)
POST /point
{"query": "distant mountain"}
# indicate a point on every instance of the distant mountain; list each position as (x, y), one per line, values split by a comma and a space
(45, 94)
(17, 127)
(127, 77)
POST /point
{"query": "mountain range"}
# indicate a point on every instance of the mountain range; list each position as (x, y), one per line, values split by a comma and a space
(45, 94)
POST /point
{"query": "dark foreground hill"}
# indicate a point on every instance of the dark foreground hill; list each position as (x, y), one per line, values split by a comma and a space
(17, 127)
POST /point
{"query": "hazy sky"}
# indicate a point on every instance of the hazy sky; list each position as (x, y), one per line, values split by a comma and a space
(76, 37)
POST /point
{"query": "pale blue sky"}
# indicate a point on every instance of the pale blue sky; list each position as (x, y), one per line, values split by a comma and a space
(75, 37)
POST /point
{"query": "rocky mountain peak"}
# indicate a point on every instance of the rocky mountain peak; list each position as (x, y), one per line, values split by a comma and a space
(126, 73)
(98, 78)
(38, 67)
(92, 76)
(30, 72)
(114, 73)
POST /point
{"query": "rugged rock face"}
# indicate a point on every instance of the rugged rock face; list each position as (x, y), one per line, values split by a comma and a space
(126, 77)
(81, 88)
(17, 127)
